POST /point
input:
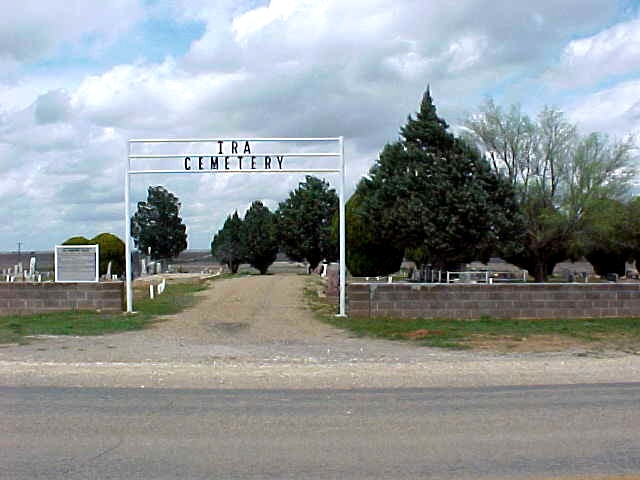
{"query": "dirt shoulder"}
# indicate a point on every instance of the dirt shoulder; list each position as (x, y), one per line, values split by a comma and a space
(256, 332)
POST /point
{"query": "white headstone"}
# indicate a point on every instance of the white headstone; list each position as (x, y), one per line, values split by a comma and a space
(32, 266)
(109, 269)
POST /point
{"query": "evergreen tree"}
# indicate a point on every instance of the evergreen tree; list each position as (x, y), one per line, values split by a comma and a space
(261, 237)
(78, 240)
(304, 221)
(157, 225)
(228, 245)
(432, 193)
(111, 249)
(367, 254)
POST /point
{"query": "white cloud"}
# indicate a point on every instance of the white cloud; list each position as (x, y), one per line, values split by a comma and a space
(283, 68)
(466, 52)
(31, 28)
(254, 20)
(614, 110)
(52, 107)
(587, 61)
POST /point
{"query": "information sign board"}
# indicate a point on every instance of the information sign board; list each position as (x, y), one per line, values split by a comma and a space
(77, 263)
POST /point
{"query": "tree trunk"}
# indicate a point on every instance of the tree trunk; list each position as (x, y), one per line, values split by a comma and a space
(540, 272)
(313, 263)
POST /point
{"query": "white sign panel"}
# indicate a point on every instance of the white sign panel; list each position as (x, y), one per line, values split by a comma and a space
(77, 263)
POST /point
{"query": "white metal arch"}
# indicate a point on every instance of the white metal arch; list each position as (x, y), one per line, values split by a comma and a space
(337, 141)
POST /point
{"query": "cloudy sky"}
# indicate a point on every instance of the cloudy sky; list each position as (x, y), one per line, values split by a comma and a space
(80, 77)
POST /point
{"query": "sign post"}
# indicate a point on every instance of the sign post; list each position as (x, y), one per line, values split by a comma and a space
(235, 155)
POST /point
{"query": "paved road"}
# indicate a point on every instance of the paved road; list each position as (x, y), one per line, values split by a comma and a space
(505, 432)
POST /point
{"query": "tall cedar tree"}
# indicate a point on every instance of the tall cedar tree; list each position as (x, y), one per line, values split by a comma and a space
(367, 254)
(304, 221)
(228, 245)
(157, 224)
(434, 194)
(261, 237)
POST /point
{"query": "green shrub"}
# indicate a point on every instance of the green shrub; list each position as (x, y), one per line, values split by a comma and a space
(80, 240)
(111, 250)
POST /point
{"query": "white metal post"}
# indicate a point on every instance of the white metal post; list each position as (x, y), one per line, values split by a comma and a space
(343, 263)
(127, 233)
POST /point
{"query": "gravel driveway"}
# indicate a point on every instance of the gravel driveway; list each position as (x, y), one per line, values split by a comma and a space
(256, 332)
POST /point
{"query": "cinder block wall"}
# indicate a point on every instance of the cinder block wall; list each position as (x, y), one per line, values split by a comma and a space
(24, 298)
(497, 301)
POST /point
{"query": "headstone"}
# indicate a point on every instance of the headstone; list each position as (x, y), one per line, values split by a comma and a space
(19, 268)
(32, 266)
(143, 267)
(109, 269)
(612, 277)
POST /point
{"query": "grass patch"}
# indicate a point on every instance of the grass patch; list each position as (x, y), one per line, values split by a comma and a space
(175, 298)
(615, 333)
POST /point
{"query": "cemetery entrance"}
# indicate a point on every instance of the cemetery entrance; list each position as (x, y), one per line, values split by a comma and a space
(235, 156)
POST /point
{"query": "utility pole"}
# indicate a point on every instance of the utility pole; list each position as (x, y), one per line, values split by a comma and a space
(19, 246)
